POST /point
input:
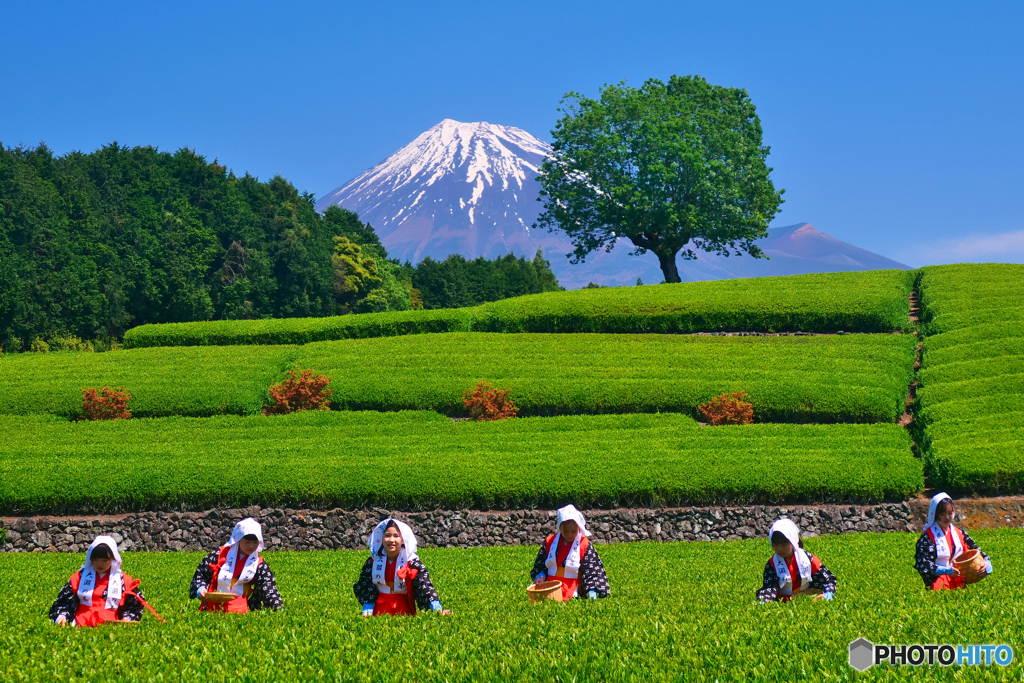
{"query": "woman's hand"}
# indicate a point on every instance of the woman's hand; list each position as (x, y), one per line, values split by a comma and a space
(446, 612)
(61, 620)
(955, 572)
(540, 579)
(202, 593)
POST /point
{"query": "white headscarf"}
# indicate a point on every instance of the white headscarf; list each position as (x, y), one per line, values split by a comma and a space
(570, 513)
(225, 577)
(380, 558)
(87, 580)
(788, 528)
(933, 506)
(942, 550)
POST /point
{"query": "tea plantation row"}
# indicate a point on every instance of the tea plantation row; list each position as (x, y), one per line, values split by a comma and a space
(972, 378)
(677, 612)
(325, 459)
(852, 378)
(874, 301)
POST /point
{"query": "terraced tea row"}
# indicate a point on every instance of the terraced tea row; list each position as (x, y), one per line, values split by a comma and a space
(874, 301)
(323, 460)
(700, 623)
(972, 379)
(854, 378)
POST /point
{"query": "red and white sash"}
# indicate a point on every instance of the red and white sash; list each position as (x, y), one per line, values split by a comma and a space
(943, 553)
(803, 565)
(225, 580)
(572, 562)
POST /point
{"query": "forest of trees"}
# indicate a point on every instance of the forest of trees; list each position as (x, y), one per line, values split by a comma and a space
(456, 282)
(93, 244)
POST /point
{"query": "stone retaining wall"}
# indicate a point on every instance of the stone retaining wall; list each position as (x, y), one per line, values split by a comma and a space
(317, 530)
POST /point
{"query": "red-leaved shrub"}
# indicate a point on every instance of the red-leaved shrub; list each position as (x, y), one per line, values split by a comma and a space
(728, 409)
(105, 404)
(486, 403)
(299, 392)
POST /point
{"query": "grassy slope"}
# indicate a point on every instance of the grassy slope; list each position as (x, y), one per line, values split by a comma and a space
(873, 301)
(678, 611)
(972, 379)
(426, 460)
(800, 379)
(174, 381)
(856, 378)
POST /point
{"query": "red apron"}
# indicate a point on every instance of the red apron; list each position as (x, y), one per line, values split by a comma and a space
(396, 603)
(945, 582)
(240, 604)
(97, 613)
(569, 583)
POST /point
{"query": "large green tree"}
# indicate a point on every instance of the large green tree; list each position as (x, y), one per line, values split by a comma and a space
(672, 167)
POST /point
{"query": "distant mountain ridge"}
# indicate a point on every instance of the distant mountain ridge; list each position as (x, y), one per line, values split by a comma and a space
(471, 189)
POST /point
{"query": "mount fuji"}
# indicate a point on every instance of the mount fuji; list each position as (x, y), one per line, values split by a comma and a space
(459, 188)
(471, 189)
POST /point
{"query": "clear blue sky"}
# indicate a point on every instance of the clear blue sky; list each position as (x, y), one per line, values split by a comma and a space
(894, 126)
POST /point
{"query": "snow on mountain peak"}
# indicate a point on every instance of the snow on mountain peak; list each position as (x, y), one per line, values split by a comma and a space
(482, 154)
(454, 179)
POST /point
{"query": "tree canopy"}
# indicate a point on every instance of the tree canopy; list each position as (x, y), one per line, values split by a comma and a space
(672, 167)
(457, 282)
(93, 244)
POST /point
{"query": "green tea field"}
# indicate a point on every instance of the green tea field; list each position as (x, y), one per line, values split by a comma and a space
(854, 378)
(873, 301)
(972, 378)
(424, 460)
(607, 383)
(677, 611)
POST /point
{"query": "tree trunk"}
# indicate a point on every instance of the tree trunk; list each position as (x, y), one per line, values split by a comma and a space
(668, 266)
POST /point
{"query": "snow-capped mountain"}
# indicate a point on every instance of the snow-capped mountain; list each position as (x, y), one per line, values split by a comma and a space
(466, 188)
(471, 189)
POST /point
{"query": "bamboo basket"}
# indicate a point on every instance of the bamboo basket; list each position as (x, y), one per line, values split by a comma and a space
(218, 597)
(971, 566)
(545, 590)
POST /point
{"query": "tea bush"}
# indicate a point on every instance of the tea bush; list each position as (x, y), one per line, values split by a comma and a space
(972, 380)
(872, 301)
(702, 625)
(105, 404)
(423, 460)
(852, 378)
(171, 381)
(728, 409)
(300, 391)
(486, 403)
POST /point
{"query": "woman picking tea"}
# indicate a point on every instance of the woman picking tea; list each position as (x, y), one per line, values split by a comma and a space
(569, 557)
(99, 591)
(791, 570)
(237, 569)
(940, 543)
(394, 580)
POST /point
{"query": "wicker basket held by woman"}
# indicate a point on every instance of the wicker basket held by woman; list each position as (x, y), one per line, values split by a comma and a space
(971, 566)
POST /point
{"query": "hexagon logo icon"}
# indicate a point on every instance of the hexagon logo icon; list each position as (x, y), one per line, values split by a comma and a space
(861, 654)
